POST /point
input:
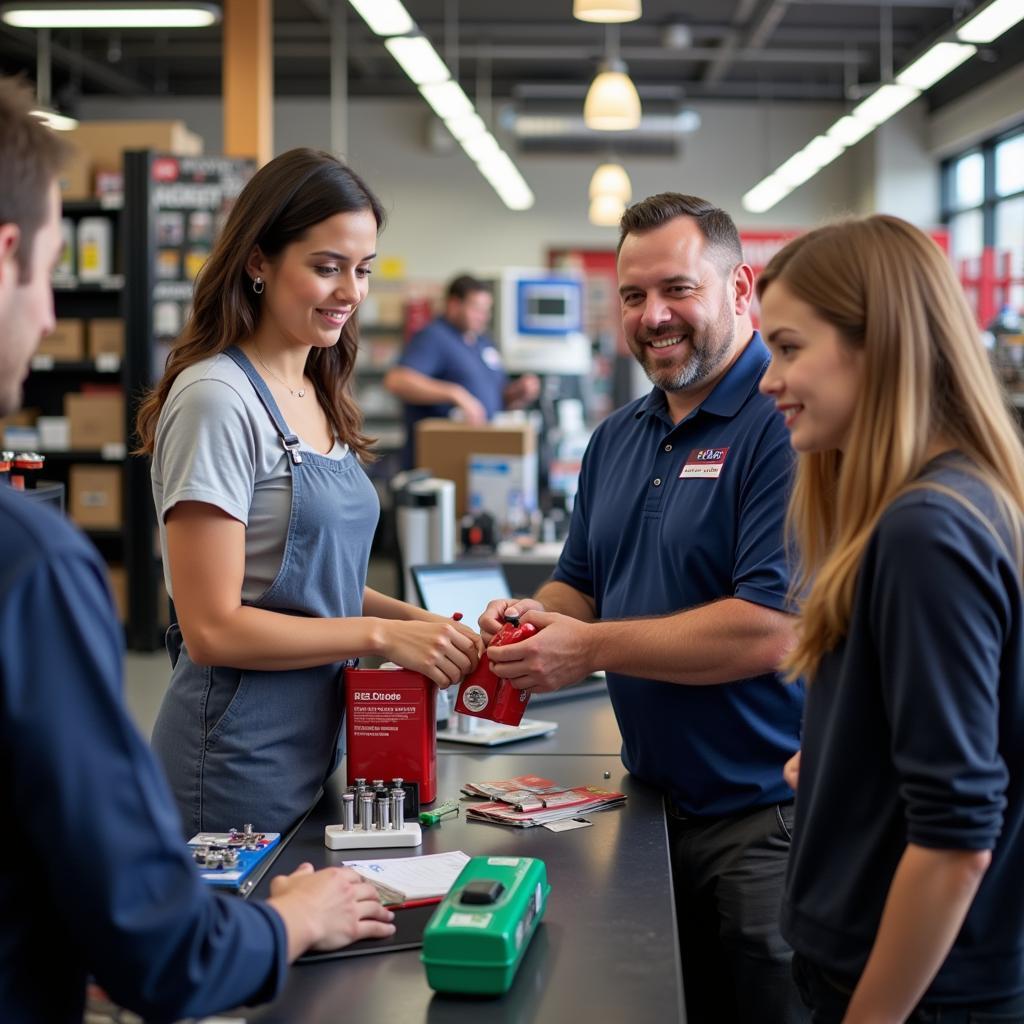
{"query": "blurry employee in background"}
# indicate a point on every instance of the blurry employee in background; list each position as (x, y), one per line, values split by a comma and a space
(113, 891)
(452, 364)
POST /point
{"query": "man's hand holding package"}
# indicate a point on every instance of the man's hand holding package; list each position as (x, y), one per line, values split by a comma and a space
(557, 656)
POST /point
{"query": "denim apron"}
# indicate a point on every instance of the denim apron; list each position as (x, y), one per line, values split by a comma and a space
(257, 746)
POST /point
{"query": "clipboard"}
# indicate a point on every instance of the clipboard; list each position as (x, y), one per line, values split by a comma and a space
(410, 923)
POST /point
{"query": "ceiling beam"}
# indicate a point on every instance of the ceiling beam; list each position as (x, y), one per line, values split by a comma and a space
(100, 73)
(751, 34)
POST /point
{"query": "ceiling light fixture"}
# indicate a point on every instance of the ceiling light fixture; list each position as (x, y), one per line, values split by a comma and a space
(418, 59)
(109, 14)
(612, 103)
(428, 71)
(58, 122)
(933, 65)
(936, 63)
(606, 11)
(606, 211)
(989, 24)
(385, 17)
(611, 180)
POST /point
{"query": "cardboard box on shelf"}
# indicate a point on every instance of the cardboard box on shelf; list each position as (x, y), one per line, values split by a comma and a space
(119, 587)
(104, 142)
(76, 175)
(66, 342)
(95, 419)
(445, 447)
(106, 337)
(96, 496)
(54, 433)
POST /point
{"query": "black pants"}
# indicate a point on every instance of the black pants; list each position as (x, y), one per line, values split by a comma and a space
(728, 875)
(828, 998)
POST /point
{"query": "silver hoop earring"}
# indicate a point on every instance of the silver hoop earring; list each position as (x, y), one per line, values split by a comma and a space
(258, 285)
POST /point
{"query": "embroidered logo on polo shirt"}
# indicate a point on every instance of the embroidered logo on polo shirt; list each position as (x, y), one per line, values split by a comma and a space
(706, 462)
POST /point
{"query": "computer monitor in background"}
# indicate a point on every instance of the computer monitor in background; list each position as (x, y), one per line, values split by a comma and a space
(465, 587)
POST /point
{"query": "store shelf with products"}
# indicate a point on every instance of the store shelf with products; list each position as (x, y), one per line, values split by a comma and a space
(84, 385)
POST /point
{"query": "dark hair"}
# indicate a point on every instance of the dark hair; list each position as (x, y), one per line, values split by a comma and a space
(715, 224)
(31, 156)
(463, 286)
(282, 201)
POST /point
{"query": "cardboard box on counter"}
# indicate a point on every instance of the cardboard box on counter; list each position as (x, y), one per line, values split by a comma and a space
(66, 342)
(96, 496)
(445, 448)
(95, 419)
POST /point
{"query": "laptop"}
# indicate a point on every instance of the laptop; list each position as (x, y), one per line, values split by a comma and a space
(468, 587)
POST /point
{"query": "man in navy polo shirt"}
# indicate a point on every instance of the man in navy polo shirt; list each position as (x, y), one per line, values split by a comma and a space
(452, 364)
(673, 579)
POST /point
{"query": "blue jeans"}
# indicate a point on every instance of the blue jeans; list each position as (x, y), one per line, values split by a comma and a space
(728, 875)
(828, 998)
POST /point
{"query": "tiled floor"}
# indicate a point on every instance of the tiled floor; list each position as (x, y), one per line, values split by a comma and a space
(146, 675)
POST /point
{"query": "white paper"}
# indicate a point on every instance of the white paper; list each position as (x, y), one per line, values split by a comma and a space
(412, 878)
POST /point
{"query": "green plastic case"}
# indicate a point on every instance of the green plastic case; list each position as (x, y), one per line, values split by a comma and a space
(476, 948)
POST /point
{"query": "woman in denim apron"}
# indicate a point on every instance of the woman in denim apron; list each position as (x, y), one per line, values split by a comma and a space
(267, 514)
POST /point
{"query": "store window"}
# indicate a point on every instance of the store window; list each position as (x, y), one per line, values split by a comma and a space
(983, 207)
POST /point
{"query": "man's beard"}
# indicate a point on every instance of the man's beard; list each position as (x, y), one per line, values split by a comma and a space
(710, 349)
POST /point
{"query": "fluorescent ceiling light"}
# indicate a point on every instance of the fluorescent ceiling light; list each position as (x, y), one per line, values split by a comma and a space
(883, 103)
(465, 126)
(506, 180)
(58, 122)
(611, 180)
(421, 62)
(606, 11)
(606, 211)
(418, 59)
(111, 14)
(850, 130)
(447, 99)
(822, 150)
(992, 22)
(385, 17)
(481, 147)
(796, 170)
(936, 63)
(765, 194)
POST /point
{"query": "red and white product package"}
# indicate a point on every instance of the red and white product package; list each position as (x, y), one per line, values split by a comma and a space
(390, 727)
(485, 695)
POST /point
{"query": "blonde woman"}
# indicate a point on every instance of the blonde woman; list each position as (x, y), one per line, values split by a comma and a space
(904, 898)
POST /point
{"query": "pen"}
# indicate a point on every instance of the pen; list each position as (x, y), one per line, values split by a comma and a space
(409, 904)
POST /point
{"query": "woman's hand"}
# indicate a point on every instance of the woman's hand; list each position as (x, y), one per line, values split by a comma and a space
(442, 649)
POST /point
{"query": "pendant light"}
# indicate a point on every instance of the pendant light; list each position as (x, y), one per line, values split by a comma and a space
(606, 211)
(611, 179)
(606, 10)
(612, 103)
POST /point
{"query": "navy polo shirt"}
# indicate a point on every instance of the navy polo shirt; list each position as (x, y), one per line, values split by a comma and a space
(440, 351)
(668, 517)
(915, 734)
(96, 879)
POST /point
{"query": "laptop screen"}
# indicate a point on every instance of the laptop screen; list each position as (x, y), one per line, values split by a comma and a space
(465, 587)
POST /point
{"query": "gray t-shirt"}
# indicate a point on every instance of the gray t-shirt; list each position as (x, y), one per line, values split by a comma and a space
(215, 442)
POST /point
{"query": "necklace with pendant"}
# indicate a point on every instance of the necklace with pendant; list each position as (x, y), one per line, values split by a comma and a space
(294, 392)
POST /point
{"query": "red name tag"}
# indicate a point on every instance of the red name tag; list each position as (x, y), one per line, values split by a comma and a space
(705, 462)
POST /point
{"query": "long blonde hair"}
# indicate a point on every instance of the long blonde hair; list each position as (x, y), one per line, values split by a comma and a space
(892, 294)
